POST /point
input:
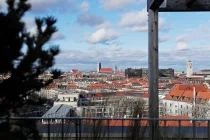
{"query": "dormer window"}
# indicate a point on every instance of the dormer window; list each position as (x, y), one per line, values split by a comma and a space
(205, 100)
(199, 100)
(182, 98)
(171, 97)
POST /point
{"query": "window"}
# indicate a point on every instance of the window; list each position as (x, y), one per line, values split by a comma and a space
(182, 99)
(205, 100)
(181, 106)
(199, 100)
(175, 111)
(187, 107)
(165, 104)
(170, 105)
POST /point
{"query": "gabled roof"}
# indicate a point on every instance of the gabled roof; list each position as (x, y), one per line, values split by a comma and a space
(119, 73)
(106, 70)
(75, 70)
(184, 93)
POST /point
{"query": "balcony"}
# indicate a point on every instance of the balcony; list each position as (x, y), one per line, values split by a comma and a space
(112, 129)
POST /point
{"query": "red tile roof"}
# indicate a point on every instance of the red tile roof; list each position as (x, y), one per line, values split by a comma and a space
(120, 73)
(120, 93)
(184, 93)
(72, 86)
(106, 70)
(75, 70)
(51, 86)
(99, 95)
(145, 95)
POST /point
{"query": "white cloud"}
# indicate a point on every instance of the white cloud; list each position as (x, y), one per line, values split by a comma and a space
(103, 36)
(181, 46)
(104, 25)
(137, 21)
(57, 36)
(3, 5)
(84, 6)
(31, 27)
(183, 38)
(124, 58)
(134, 18)
(90, 19)
(142, 28)
(39, 6)
(163, 39)
(29, 22)
(141, 1)
(200, 33)
(115, 48)
(48, 5)
(116, 4)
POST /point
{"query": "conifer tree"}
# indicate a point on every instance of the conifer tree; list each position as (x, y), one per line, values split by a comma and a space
(23, 65)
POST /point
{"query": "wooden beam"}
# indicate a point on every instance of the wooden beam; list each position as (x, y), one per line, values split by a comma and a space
(185, 6)
(190, 3)
(154, 4)
(153, 73)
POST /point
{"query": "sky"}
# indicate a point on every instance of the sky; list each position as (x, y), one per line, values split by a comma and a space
(114, 32)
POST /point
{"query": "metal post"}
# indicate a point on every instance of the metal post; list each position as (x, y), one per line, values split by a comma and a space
(76, 129)
(122, 129)
(80, 129)
(153, 73)
(62, 132)
(180, 137)
(208, 130)
(165, 130)
(108, 129)
(48, 128)
(194, 130)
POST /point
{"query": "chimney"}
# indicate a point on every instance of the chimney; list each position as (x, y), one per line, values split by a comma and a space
(194, 96)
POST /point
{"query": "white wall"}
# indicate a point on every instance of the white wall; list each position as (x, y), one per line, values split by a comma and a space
(68, 99)
(175, 108)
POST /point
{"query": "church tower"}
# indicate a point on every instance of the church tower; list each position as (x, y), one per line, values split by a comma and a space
(189, 69)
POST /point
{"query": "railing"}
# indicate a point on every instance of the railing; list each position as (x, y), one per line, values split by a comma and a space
(117, 128)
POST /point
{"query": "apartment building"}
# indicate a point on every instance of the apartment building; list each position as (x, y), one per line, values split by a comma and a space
(188, 99)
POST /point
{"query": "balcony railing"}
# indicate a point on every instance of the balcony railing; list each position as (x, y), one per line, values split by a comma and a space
(118, 128)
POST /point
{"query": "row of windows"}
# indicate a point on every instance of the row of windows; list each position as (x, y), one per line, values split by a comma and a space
(176, 105)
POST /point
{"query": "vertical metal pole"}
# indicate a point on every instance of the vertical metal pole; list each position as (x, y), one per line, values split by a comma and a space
(153, 73)
(108, 129)
(122, 129)
(94, 129)
(194, 130)
(165, 130)
(208, 130)
(48, 129)
(76, 129)
(180, 137)
(62, 132)
(80, 129)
